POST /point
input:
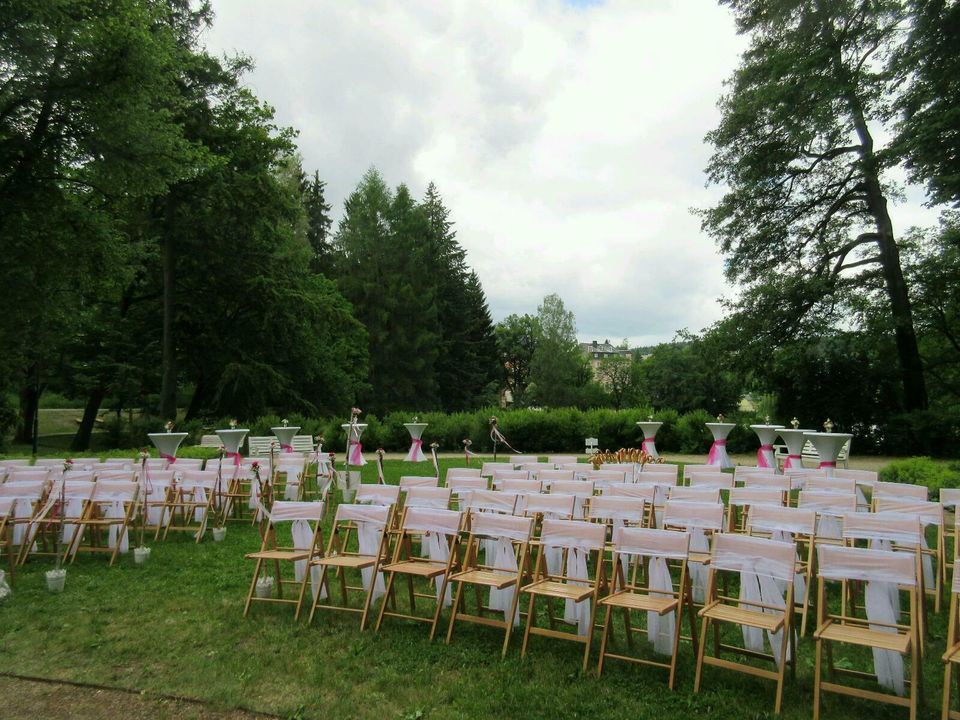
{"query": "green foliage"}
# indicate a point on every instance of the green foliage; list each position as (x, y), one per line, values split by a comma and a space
(687, 376)
(517, 338)
(557, 368)
(692, 434)
(923, 471)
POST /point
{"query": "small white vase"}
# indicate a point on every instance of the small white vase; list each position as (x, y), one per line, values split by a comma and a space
(219, 533)
(56, 580)
(141, 555)
(264, 587)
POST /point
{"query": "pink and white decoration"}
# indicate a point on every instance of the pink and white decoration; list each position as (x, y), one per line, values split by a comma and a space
(649, 429)
(718, 451)
(767, 434)
(415, 454)
(232, 439)
(828, 445)
(167, 444)
(354, 447)
(794, 439)
(285, 435)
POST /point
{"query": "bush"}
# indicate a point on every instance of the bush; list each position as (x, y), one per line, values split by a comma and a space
(693, 435)
(923, 471)
(933, 432)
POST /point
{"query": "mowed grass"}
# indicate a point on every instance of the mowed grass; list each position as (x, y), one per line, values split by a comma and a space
(175, 626)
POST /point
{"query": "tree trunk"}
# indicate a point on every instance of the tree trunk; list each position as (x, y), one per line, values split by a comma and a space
(168, 384)
(81, 441)
(29, 407)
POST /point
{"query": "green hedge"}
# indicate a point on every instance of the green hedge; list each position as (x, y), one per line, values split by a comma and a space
(923, 471)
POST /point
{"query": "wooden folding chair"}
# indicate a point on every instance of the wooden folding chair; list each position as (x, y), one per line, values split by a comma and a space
(193, 498)
(951, 656)
(442, 531)
(56, 523)
(560, 460)
(741, 499)
(492, 501)
(489, 469)
(898, 491)
(109, 510)
(887, 574)
(766, 572)
(462, 472)
(687, 493)
(549, 476)
(669, 469)
(520, 486)
(934, 556)
(763, 480)
(646, 493)
(507, 539)
(409, 481)
(703, 521)
(798, 526)
(25, 498)
(157, 489)
(719, 480)
(359, 541)
(428, 497)
(689, 469)
(582, 490)
(378, 495)
(830, 508)
(570, 580)
(662, 599)
(461, 486)
(306, 546)
(290, 470)
(517, 460)
(602, 479)
(628, 469)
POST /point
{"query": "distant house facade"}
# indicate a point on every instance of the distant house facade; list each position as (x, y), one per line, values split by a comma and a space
(597, 351)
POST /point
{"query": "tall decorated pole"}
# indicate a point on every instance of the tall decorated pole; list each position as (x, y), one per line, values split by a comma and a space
(433, 453)
(415, 428)
(381, 480)
(497, 437)
(354, 454)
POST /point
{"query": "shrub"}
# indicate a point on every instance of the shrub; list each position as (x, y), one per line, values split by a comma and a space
(694, 437)
(923, 471)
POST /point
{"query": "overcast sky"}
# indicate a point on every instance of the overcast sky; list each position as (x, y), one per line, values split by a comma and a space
(565, 136)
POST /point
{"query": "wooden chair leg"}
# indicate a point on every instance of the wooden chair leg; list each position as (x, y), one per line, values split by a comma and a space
(457, 601)
(510, 620)
(700, 652)
(816, 680)
(589, 643)
(947, 680)
(530, 619)
(440, 597)
(253, 586)
(383, 605)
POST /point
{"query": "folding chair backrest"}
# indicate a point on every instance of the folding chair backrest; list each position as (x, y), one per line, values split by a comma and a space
(831, 484)
(194, 463)
(836, 562)
(950, 498)
(76, 489)
(827, 502)
(115, 490)
(496, 525)
(548, 477)
(378, 494)
(763, 480)
(113, 474)
(647, 493)
(200, 478)
(577, 467)
(462, 472)
(605, 478)
(290, 510)
(430, 497)
(460, 485)
(719, 480)
(520, 486)
(435, 520)
(930, 513)
(745, 553)
(890, 527)
(500, 476)
(689, 470)
(627, 468)
(686, 515)
(901, 491)
(756, 496)
(662, 468)
(409, 481)
(376, 515)
(580, 488)
(523, 459)
(85, 475)
(49, 462)
(556, 506)
(29, 490)
(535, 467)
(684, 493)
(646, 542)
(85, 463)
(161, 477)
(489, 468)
(107, 465)
(770, 519)
(28, 475)
(492, 501)
(741, 472)
(572, 534)
(560, 460)
(862, 477)
(609, 509)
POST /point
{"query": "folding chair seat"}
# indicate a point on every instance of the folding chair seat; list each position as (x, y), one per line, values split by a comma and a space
(765, 570)
(886, 574)
(489, 468)
(517, 460)
(56, 523)
(494, 501)
(742, 498)
(192, 502)
(378, 495)
(787, 524)
(307, 545)
(582, 490)
(111, 508)
(520, 487)
(502, 476)
(25, 499)
(440, 530)
(661, 597)
(560, 460)
(547, 477)
(702, 521)
(830, 508)
(504, 542)
(462, 486)
(951, 656)
(934, 556)
(359, 542)
(565, 575)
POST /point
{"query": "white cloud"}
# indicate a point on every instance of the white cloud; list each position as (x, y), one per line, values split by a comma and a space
(566, 139)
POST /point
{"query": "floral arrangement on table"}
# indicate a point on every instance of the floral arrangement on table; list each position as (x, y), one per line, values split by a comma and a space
(637, 456)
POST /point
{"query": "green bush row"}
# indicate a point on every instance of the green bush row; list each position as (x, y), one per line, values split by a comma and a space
(923, 471)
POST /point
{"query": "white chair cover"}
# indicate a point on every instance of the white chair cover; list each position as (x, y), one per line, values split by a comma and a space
(370, 522)
(437, 526)
(578, 538)
(695, 518)
(503, 531)
(300, 515)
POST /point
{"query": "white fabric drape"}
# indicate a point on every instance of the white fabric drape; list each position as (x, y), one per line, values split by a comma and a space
(576, 567)
(760, 588)
(22, 510)
(438, 550)
(74, 506)
(368, 540)
(115, 511)
(504, 558)
(799, 581)
(883, 605)
(698, 571)
(303, 540)
(661, 628)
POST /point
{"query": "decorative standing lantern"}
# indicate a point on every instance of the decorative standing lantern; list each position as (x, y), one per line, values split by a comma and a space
(232, 439)
(767, 434)
(415, 428)
(649, 428)
(167, 443)
(285, 434)
(718, 451)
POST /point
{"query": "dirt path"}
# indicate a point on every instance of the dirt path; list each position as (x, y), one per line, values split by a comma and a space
(32, 700)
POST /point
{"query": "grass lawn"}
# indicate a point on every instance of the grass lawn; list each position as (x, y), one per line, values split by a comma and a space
(175, 626)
